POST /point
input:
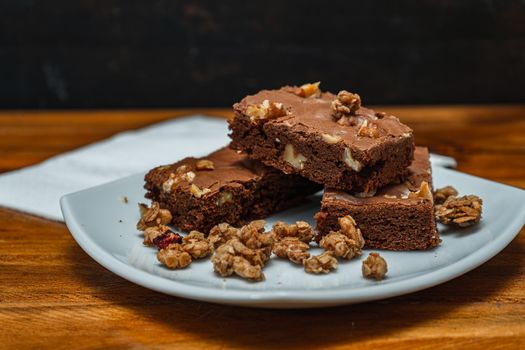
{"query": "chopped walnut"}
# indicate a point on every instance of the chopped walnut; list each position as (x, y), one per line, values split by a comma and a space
(222, 233)
(301, 230)
(460, 211)
(204, 164)
(346, 104)
(441, 194)
(234, 257)
(291, 248)
(182, 173)
(253, 236)
(347, 242)
(174, 257)
(196, 245)
(295, 159)
(330, 139)
(423, 192)
(374, 266)
(380, 115)
(245, 253)
(265, 111)
(340, 245)
(323, 263)
(368, 130)
(305, 90)
(153, 216)
(349, 228)
(182, 169)
(197, 192)
(225, 197)
(349, 160)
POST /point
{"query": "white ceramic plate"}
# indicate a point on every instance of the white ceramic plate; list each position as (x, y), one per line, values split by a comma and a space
(104, 227)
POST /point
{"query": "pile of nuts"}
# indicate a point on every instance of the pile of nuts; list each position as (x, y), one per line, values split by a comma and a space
(244, 251)
(457, 211)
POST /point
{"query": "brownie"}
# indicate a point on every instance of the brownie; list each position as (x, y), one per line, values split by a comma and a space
(225, 186)
(398, 217)
(360, 152)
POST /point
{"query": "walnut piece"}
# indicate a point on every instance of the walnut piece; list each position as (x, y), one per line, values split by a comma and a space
(305, 90)
(310, 90)
(346, 104)
(374, 266)
(291, 248)
(349, 160)
(368, 129)
(182, 173)
(196, 245)
(323, 263)
(244, 253)
(460, 211)
(225, 197)
(234, 257)
(423, 192)
(340, 245)
(347, 242)
(174, 257)
(330, 139)
(198, 192)
(295, 159)
(301, 230)
(254, 237)
(204, 164)
(153, 216)
(222, 233)
(441, 194)
(265, 111)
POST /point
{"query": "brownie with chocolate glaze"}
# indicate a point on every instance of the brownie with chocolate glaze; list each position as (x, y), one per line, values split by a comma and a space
(224, 186)
(327, 138)
(398, 217)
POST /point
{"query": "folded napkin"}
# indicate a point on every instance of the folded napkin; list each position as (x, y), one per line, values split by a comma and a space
(37, 189)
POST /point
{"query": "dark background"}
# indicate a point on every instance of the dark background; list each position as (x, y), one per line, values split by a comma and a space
(97, 54)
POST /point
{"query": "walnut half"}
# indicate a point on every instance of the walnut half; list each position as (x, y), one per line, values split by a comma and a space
(374, 266)
(460, 211)
(293, 158)
(323, 263)
(265, 111)
(346, 104)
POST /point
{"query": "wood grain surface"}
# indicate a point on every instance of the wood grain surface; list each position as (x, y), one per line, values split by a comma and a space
(53, 295)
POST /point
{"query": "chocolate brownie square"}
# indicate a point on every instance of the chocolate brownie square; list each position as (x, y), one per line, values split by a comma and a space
(225, 186)
(397, 217)
(329, 139)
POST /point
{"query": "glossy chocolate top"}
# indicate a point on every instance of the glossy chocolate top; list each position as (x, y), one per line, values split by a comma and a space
(314, 115)
(229, 168)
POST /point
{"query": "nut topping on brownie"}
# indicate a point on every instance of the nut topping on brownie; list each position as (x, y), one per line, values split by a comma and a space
(360, 152)
(345, 105)
(265, 111)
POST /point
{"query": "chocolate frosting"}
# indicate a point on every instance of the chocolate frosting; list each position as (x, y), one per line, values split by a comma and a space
(419, 171)
(314, 115)
(230, 168)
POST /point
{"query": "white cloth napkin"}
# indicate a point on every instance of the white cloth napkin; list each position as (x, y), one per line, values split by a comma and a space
(37, 189)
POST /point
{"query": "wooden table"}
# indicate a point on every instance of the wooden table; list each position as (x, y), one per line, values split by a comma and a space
(53, 295)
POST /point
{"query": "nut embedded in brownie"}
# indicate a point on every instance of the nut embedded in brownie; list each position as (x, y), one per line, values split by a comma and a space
(225, 186)
(329, 139)
(397, 217)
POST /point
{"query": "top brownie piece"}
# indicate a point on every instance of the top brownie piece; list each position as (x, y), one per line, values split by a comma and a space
(327, 138)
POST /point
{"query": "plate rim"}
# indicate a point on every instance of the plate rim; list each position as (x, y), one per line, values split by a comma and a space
(304, 298)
